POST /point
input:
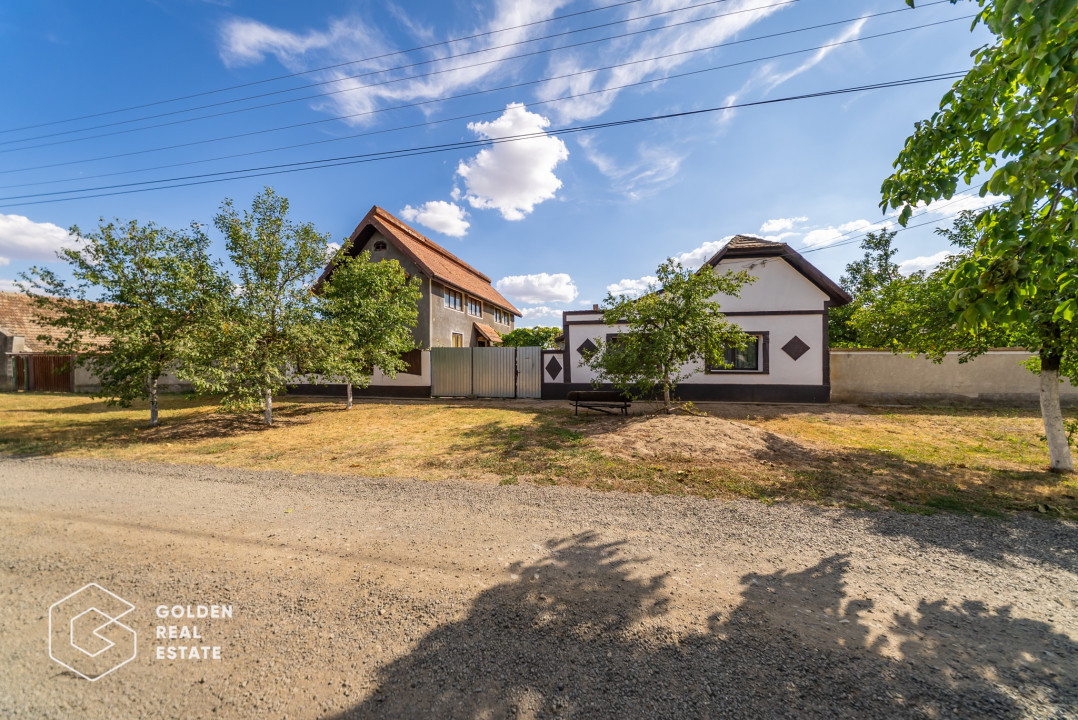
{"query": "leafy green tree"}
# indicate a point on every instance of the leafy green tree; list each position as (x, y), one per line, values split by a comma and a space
(863, 277)
(369, 311)
(268, 324)
(676, 325)
(1015, 116)
(538, 336)
(129, 313)
(912, 314)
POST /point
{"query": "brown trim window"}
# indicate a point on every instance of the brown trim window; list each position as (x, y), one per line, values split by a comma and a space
(753, 358)
(501, 316)
(458, 340)
(453, 299)
(379, 246)
(475, 307)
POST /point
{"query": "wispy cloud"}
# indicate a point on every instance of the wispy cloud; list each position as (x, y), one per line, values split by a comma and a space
(632, 286)
(651, 169)
(925, 262)
(822, 237)
(779, 224)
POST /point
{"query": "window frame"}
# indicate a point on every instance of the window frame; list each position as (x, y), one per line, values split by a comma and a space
(383, 243)
(469, 301)
(456, 295)
(763, 358)
(453, 339)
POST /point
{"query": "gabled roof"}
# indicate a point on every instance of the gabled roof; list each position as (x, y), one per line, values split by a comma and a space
(747, 246)
(19, 317)
(488, 332)
(432, 259)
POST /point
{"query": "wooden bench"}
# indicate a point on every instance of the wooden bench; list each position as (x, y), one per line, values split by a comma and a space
(606, 401)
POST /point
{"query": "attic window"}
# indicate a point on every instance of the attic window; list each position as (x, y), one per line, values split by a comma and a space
(380, 245)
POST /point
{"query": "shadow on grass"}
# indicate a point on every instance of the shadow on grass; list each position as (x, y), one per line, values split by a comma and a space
(581, 634)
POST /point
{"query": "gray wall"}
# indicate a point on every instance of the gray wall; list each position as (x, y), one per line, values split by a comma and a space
(421, 333)
(875, 376)
(7, 362)
(446, 321)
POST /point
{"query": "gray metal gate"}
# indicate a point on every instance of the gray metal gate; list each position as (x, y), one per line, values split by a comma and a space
(529, 372)
(492, 372)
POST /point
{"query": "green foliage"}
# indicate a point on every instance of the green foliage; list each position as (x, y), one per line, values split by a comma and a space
(152, 286)
(1015, 116)
(913, 315)
(669, 332)
(267, 323)
(369, 310)
(538, 336)
(863, 278)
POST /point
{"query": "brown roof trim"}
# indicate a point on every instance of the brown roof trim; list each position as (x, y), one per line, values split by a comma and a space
(488, 332)
(744, 246)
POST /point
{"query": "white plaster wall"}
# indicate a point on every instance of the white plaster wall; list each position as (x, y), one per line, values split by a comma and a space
(380, 378)
(783, 370)
(778, 287)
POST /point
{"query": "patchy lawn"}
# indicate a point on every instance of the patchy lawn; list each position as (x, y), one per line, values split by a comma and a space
(986, 461)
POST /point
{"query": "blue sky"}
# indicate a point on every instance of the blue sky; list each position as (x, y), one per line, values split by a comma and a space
(556, 221)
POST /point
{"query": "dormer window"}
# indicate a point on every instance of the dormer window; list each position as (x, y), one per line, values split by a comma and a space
(380, 245)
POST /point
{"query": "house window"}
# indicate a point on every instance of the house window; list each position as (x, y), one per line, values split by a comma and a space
(751, 358)
(453, 299)
(475, 307)
(502, 316)
(458, 340)
(380, 245)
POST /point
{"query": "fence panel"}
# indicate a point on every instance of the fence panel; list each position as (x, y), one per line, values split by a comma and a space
(52, 373)
(529, 372)
(450, 372)
(494, 372)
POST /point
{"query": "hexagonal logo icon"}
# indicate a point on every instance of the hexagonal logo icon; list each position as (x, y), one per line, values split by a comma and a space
(86, 635)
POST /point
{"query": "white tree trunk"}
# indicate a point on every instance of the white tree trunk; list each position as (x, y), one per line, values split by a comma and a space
(349, 396)
(269, 407)
(1058, 446)
(666, 393)
(153, 402)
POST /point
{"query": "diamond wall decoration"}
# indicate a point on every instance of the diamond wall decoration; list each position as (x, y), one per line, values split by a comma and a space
(587, 347)
(554, 367)
(795, 348)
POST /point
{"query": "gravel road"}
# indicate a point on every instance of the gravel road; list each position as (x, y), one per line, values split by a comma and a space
(356, 598)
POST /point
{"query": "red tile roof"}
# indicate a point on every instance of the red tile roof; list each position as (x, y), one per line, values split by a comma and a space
(432, 259)
(488, 332)
(20, 317)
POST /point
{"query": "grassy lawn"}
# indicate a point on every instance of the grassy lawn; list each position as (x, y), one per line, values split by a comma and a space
(912, 459)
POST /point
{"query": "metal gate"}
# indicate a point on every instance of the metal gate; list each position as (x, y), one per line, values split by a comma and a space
(51, 373)
(492, 372)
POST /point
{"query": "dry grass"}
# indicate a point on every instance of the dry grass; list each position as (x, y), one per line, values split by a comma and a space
(917, 460)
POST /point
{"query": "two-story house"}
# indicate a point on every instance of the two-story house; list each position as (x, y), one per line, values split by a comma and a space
(459, 307)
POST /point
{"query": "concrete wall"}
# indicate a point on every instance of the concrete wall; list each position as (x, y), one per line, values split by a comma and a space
(87, 382)
(8, 345)
(875, 376)
(446, 321)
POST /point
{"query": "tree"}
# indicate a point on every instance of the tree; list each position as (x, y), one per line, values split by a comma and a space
(677, 324)
(538, 336)
(150, 286)
(863, 277)
(268, 324)
(369, 310)
(1014, 115)
(911, 314)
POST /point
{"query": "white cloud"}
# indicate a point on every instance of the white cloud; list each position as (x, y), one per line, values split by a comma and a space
(637, 49)
(246, 41)
(779, 224)
(774, 79)
(629, 286)
(651, 170)
(781, 237)
(538, 288)
(444, 217)
(331, 249)
(925, 262)
(822, 237)
(696, 257)
(513, 177)
(8, 286)
(23, 239)
(540, 311)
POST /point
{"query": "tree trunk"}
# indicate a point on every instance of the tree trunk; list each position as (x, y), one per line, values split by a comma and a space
(269, 407)
(666, 393)
(153, 402)
(1058, 445)
(349, 396)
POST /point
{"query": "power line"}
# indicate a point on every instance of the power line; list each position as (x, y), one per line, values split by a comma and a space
(208, 178)
(324, 67)
(426, 62)
(491, 90)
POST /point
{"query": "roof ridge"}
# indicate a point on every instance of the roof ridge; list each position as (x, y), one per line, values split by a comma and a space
(386, 215)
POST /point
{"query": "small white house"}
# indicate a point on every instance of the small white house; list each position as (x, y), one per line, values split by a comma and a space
(785, 310)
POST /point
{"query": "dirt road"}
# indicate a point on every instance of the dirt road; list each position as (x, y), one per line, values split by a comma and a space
(361, 598)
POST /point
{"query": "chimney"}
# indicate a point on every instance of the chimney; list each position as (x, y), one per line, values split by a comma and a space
(595, 308)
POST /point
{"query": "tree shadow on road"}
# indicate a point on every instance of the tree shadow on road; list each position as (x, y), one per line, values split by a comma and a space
(583, 634)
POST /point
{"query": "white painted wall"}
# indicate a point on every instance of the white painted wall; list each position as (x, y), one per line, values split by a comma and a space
(379, 378)
(778, 286)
